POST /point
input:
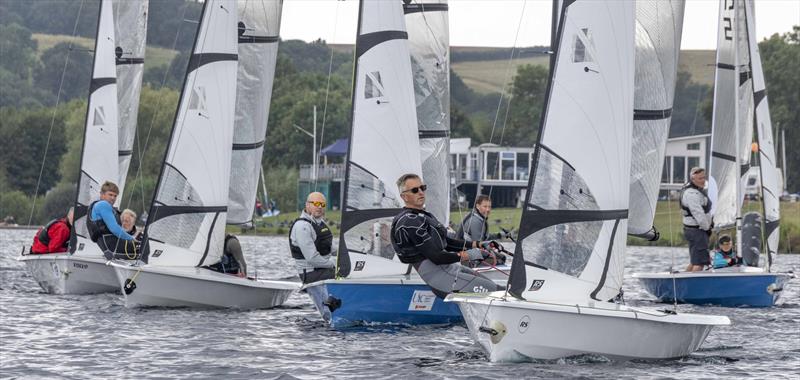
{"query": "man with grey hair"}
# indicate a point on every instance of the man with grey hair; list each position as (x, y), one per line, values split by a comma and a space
(311, 242)
(421, 240)
(697, 224)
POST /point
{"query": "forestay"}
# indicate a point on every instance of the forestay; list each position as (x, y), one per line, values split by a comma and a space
(186, 225)
(258, 27)
(572, 230)
(130, 31)
(384, 141)
(658, 41)
(99, 153)
(766, 146)
(725, 126)
(429, 45)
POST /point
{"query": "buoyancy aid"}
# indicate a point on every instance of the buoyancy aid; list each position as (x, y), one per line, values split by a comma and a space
(686, 211)
(44, 233)
(98, 228)
(414, 219)
(323, 243)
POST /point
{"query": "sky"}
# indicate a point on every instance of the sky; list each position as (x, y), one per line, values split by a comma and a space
(495, 22)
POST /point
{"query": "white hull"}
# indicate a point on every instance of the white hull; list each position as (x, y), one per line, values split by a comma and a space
(61, 273)
(198, 288)
(529, 330)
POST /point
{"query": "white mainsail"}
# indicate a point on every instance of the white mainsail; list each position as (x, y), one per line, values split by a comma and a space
(572, 232)
(99, 153)
(130, 31)
(429, 44)
(186, 223)
(658, 41)
(384, 142)
(767, 161)
(731, 136)
(259, 24)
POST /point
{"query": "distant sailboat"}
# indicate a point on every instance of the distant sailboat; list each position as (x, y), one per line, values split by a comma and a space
(105, 156)
(740, 104)
(186, 226)
(390, 139)
(570, 256)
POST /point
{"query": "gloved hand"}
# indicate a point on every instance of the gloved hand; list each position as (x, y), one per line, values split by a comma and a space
(491, 245)
(475, 254)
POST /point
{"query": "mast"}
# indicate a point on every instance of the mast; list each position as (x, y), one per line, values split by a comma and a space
(736, 123)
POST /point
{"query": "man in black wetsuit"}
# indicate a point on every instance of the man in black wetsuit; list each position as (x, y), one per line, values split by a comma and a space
(421, 240)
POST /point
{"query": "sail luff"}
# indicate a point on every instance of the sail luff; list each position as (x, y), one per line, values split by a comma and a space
(429, 44)
(658, 37)
(130, 31)
(766, 146)
(577, 204)
(99, 149)
(259, 26)
(384, 142)
(186, 224)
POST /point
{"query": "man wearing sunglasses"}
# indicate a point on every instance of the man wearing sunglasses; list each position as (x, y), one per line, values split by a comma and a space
(311, 242)
(421, 240)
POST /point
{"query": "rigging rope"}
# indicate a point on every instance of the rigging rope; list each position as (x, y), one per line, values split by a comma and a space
(55, 111)
(325, 107)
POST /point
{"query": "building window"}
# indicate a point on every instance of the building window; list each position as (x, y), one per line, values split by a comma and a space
(666, 173)
(507, 165)
(678, 169)
(692, 162)
(694, 146)
(473, 166)
(492, 163)
(523, 159)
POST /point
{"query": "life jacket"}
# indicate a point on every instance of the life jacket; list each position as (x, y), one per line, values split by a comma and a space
(686, 211)
(228, 264)
(98, 228)
(721, 259)
(461, 230)
(322, 243)
(44, 233)
(409, 254)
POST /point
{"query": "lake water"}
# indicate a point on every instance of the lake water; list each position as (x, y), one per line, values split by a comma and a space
(96, 337)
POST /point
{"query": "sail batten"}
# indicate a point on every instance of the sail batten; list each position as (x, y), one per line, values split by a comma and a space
(99, 151)
(577, 195)
(429, 44)
(731, 136)
(259, 24)
(766, 145)
(186, 223)
(384, 141)
(658, 37)
(130, 35)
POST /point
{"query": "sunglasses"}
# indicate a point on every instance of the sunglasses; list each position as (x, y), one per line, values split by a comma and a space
(317, 203)
(417, 189)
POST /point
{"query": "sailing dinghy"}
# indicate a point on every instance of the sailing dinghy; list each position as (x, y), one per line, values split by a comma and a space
(400, 125)
(108, 137)
(186, 227)
(569, 260)
(740, 103)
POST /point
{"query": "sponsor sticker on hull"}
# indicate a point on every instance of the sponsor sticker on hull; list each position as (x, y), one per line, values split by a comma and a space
(422, 300)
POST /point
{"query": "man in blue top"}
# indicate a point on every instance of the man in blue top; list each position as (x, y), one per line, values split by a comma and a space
(105, 227)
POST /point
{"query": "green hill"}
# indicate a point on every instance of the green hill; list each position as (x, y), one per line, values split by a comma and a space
(155, 56)
(487, 76)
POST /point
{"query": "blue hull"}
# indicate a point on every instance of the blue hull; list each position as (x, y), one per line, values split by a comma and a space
(345, 305)
(729, 291)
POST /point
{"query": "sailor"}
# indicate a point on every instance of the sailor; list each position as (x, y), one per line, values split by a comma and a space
(421, 240)
(725, 256)
(475, 227)
(128, 219)
(311, 242)
(697, 223)
(105, 228)
(54, 237)
(232, 261)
